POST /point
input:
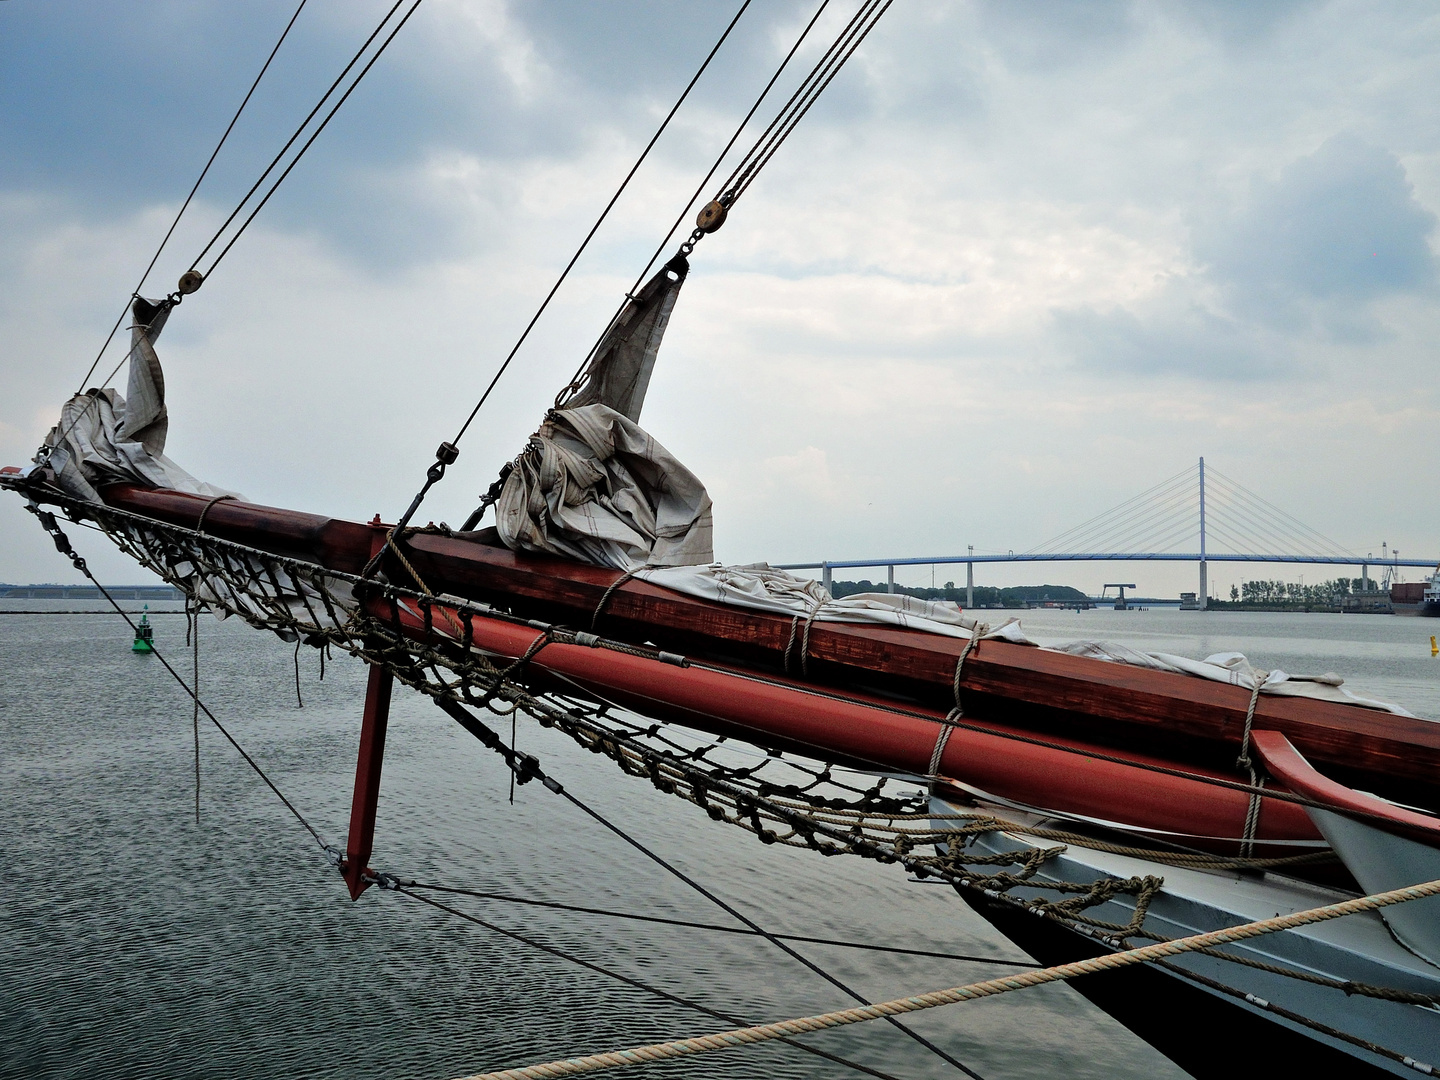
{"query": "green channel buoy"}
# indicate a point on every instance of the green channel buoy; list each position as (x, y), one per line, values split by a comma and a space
(144, 634)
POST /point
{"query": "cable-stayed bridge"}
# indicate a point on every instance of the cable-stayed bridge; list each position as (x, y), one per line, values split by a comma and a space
(1218, 517)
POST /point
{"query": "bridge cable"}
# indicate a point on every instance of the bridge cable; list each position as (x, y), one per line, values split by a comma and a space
(1099, 519)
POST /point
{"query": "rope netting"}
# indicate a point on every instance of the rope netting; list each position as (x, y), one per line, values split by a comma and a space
(778, 797)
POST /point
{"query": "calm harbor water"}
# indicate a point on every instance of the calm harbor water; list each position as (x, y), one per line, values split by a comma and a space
(133, 941)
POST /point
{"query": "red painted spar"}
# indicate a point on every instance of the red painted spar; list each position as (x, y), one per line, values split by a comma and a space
(1061, 780)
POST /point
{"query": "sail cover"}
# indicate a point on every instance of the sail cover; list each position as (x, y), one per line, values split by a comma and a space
(592, 484)
(103, 438)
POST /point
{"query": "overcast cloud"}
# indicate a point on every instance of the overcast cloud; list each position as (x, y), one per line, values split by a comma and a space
(1022, 262)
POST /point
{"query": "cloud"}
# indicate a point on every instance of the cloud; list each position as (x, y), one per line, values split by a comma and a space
(1340, 226)
(1177, 339)
(1021, 262)
(1305, 256)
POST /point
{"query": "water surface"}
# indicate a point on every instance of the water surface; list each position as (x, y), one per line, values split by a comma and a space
(135, 941)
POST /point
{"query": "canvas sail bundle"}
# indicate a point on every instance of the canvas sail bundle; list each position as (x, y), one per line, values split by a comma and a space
(103, 438)
(592, 484)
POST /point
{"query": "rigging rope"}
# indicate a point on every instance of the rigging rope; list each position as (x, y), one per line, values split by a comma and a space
(974, 991)
(310, 141)
(401, 888)
(194, 634)
(717, 928)
(820, 77)
(186, 204)
(574, 383)
(598, 222)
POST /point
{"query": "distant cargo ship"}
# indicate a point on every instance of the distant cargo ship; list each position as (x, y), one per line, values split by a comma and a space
(1430, 605)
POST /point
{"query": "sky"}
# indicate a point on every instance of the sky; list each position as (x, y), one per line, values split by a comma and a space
(1020, 263)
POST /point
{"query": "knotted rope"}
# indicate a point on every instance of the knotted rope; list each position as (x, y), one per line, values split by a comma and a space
(200, 523)
(804, 636)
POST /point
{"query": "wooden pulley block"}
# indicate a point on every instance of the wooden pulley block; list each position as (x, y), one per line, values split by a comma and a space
(711, 216)
(189, 282)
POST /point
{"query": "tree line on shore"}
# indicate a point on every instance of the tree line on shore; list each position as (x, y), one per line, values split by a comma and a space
(985, 595)
(1294, 593)
(1263, 593)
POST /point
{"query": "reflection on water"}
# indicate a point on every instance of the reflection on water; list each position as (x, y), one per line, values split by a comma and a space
(135, 941)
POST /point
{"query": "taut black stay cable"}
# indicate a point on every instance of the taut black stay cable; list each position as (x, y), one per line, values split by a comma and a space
(186, 204)
(477, 728)
(698, 189)
(610, 973)
(603, 214)
(315, 135)
(278, 156)
(716, 927)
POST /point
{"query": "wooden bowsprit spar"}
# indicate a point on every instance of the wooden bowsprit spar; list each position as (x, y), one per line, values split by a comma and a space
(1040, 729)
(891, 686)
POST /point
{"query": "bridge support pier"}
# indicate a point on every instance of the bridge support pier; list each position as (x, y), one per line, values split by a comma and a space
(970, 581)
(890, 580)
(1204, 585)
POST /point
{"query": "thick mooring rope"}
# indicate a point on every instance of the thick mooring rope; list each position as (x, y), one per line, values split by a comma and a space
(724, 1040)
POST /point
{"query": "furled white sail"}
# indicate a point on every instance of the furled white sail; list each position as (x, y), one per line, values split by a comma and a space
(591, 484)
(103, 438)
(594, 486)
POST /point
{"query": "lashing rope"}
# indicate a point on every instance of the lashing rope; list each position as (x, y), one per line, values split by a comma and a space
(805, 638)
(608, 593)
(958, 711)
(1257, 782)
(200, 522)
